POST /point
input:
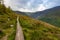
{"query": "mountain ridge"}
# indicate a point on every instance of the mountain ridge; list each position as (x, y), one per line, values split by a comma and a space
(40, 13)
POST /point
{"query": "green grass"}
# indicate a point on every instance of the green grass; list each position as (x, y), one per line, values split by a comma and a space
(12, 36)
(32, 29)
(7, 18)
(38, 30)
(52, 17)
(5, 25)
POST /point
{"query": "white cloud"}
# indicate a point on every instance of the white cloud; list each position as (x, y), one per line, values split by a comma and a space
(6, 2)
(45, 1)
(50, 4)
(41, 7)
(27, 7)
(30, 2)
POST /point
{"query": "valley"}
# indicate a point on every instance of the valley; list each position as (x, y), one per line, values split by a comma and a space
(30, 27)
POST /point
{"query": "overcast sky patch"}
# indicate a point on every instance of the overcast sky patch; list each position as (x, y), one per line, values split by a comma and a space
(31, 5)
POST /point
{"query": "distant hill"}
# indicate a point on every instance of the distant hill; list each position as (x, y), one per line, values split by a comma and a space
(24, 13)
(51, 16)
(45, 12)
(19, 12)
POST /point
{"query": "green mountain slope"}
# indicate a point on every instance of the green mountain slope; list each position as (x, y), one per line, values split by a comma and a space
(38, 30)
(7, 22)
(52, 19)
(52, 16)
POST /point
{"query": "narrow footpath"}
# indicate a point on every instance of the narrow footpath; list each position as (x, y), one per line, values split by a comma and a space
(19, 32)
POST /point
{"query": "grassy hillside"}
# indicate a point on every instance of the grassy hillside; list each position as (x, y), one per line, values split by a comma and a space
(7, 22)
(32, 29)
(52, 18)
(38, 30)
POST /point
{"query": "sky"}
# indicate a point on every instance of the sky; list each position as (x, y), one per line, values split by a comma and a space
(31, 5)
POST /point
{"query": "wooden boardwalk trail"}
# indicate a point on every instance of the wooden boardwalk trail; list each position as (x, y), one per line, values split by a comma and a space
(19, 32)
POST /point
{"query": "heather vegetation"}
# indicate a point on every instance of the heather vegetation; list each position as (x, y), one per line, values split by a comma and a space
(32, 29)
(7, 22)
(38, 30)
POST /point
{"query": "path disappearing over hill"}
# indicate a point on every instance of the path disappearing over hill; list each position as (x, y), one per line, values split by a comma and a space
(19, 32)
